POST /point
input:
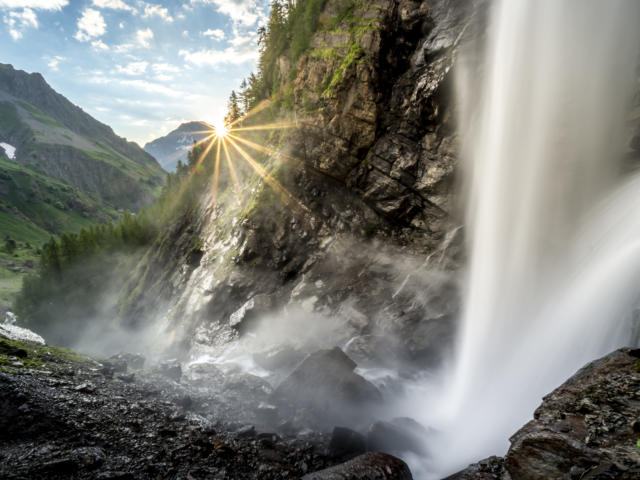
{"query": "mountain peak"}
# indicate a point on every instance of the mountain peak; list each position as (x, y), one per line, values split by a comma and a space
(175, 145)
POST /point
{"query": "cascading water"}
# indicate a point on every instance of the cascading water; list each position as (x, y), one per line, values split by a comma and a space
(553, 225)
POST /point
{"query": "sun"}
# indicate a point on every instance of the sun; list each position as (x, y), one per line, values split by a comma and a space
(226, 139)
(220, 128)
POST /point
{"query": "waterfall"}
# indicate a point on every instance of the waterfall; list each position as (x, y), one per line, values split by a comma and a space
(553, 225)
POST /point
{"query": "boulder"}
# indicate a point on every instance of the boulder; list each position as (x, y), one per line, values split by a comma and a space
(114, 366)
(369, 466)
(197, 372)
(565, 438)
(397, 437)
(325, 386)
(133, 360)
(346, 442)
(488, 469)
(583, 430)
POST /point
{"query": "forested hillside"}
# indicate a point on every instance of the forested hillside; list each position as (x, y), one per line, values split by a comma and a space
(63, 171)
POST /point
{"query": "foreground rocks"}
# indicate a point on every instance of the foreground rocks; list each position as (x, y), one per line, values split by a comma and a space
(66, 415)
(588, 429)
(325, 388)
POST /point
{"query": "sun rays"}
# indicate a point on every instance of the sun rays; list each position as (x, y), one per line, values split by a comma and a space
(226, 145)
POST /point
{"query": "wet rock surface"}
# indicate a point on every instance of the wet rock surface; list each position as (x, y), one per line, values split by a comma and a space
(398, 436)
(62, 417)
(324, 389)
(369, 466)
(586, 429)
(66, 415)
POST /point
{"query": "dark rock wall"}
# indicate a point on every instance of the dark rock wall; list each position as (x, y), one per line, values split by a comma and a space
(387, 130)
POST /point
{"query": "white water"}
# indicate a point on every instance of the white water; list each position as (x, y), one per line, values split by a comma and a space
(553, 227)
(9, 150)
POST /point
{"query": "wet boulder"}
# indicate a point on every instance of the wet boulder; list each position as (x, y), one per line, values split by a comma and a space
(326, 387)
(245, 317)
(113, 366)
(582, 430)
(370, 466)
(491, 468)
(398, 436)
(346, 442)
(133, 360)
(208, 372)
(569, 433)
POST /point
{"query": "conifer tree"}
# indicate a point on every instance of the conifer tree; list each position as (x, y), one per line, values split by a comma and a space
(233, 109)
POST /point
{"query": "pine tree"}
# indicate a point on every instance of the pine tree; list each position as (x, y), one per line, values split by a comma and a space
(233, 109)
(50, 258)
(243, 97)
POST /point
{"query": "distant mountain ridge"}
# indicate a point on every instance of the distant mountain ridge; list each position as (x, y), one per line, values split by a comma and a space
(61, 169)
(63, 142)
(175, 145)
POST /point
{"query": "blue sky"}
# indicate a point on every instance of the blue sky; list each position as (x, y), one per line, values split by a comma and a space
(141, 67)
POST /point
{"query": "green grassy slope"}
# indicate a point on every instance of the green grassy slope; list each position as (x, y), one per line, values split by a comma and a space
(70, 171)
(32, 208)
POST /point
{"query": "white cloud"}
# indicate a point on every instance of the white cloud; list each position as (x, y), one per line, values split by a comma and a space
(121, 24)
(158, 11)
(133, 68)
(114, 5)
(240, 40)
(143, 85)
(218, 57)
(35, 4)
(90, 25)
(144, 37)
(18, 22)
(151, 87)
(165, 68)
(216, 34)
(123, 47)
(245, 12)
(99, 45)
(53, 63)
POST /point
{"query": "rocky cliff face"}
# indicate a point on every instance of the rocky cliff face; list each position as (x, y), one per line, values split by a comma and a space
(385, 124)
(589, 428)
(363, 230)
